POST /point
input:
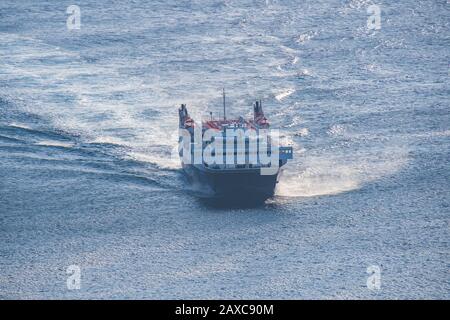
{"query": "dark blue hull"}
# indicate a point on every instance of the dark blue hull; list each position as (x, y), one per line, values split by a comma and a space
(233, 184)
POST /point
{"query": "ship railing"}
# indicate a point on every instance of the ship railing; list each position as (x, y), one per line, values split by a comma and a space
(236, 166)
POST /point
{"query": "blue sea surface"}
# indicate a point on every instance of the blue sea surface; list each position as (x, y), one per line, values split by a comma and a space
(89, 173)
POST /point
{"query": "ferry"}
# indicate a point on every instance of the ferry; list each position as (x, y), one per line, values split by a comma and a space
(220, 157)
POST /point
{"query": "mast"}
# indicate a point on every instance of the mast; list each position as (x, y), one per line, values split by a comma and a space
(224, 110)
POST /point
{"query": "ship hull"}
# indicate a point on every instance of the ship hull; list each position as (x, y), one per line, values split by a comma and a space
(233, 184)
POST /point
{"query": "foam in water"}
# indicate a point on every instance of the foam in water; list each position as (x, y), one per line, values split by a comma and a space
(330, 174)
(19, 125)
(161, 162)
(284, 94)
(55, 143)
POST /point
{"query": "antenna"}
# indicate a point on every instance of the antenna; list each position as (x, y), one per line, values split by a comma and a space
(224, 109)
